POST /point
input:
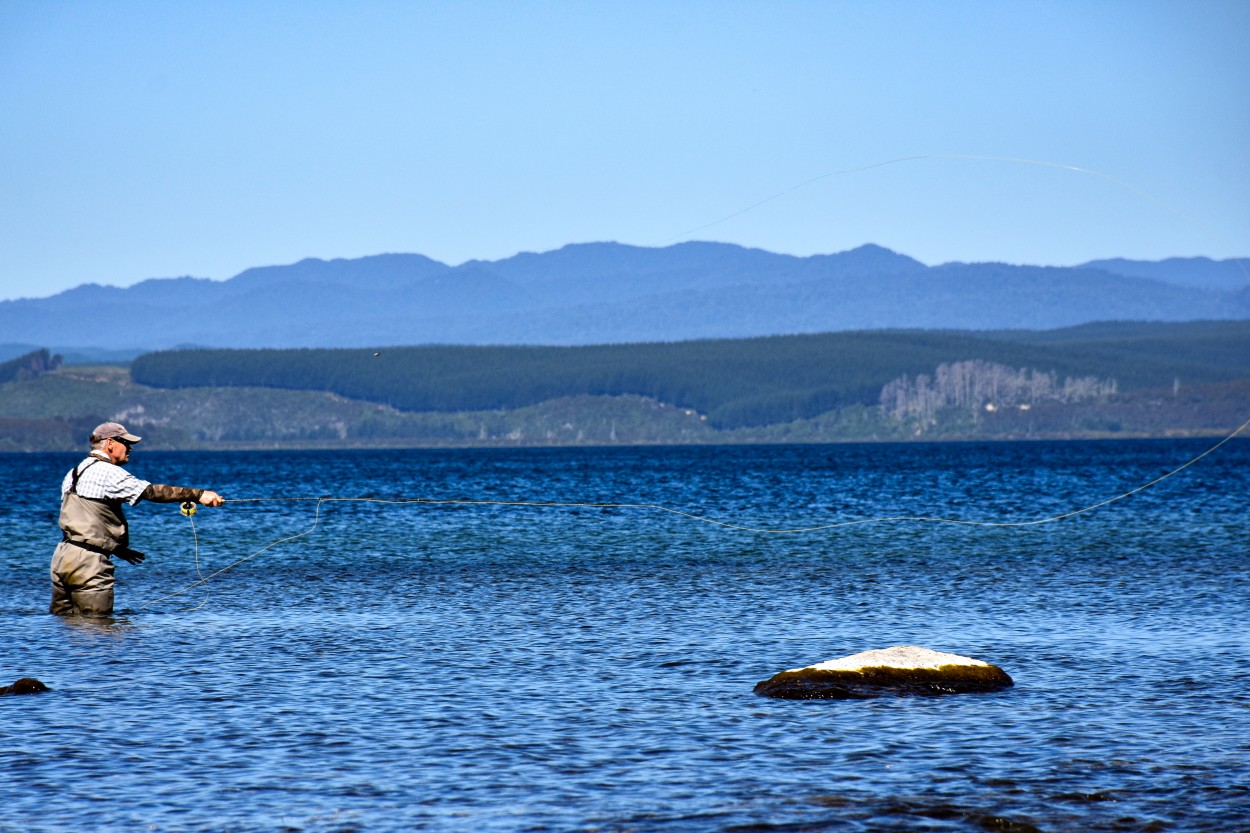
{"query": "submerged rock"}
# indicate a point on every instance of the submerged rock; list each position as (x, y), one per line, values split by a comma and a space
(899, 671)
(26, 685)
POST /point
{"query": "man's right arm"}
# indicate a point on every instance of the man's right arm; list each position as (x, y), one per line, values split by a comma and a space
(160, 493)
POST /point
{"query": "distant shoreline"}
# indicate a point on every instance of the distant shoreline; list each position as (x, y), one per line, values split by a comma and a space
(1108, 381)
(233, 447)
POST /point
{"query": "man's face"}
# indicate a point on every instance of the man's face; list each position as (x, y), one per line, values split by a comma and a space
(117, 450)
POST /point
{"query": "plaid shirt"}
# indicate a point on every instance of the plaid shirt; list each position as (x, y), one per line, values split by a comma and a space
(103, 480)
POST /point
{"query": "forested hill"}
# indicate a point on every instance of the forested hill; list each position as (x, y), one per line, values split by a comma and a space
(601, 293)
(735, 383)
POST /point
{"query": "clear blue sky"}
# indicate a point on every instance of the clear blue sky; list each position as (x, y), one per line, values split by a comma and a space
(161, 139)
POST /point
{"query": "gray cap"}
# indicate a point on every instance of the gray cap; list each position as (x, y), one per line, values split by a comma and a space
(113, 430)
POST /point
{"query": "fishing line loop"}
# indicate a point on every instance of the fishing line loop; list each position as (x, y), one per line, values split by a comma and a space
(972, 157)
(743, 528)
(188, 509)
(920, 519)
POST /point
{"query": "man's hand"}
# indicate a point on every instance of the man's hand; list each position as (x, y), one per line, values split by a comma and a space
(130, 556)
(210, 498)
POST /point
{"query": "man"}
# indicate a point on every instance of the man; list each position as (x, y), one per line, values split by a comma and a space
(93, 525)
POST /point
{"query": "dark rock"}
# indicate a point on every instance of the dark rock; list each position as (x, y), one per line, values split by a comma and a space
(26, 685)
(903, 670)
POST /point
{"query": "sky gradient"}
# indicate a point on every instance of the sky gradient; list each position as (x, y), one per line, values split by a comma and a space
(161, 139)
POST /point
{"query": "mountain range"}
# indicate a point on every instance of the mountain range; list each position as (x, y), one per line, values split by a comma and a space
(603, 293)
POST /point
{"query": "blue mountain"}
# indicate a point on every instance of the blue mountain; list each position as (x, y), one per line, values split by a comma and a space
(597, 293)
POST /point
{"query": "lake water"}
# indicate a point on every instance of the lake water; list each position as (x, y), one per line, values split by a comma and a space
(416, 666)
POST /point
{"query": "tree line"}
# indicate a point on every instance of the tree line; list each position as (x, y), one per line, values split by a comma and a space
(32, 364)
(734, 382)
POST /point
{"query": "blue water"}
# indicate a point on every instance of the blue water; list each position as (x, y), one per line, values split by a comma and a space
(508, 668)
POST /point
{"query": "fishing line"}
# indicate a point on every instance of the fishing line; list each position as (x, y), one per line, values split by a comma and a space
(790, 530)
(204, 579)
(655, 507)
(1016, 160)
(188, 509)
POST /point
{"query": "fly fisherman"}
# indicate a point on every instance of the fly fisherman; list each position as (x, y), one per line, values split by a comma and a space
(93, 525)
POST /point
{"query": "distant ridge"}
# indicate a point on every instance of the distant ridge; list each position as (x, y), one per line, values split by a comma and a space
(603, 293)
(1193, 272)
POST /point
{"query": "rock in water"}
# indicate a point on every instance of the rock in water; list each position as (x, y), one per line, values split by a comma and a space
(899, 671)
(26, 685)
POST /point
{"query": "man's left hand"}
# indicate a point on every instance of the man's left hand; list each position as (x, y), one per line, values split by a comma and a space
(130, 556)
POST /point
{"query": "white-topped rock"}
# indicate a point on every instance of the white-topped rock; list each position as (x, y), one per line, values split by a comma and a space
(901, 670)
(900, 656)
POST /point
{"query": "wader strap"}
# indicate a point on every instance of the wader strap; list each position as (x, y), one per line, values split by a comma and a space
(73, 486)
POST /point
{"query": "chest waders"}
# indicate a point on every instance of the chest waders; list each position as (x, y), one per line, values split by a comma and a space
(92, 529)
(96, 524)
